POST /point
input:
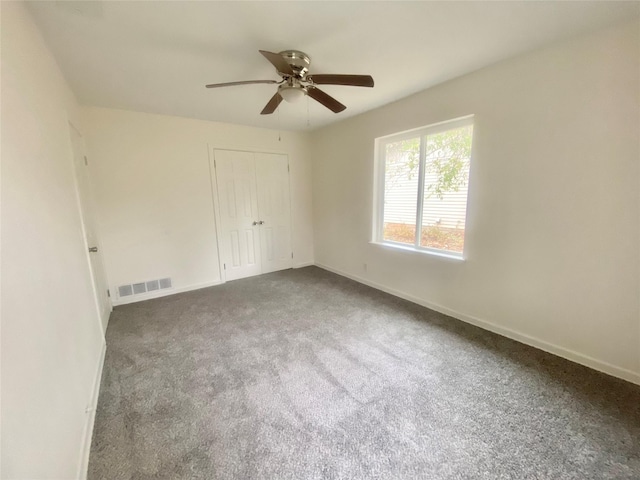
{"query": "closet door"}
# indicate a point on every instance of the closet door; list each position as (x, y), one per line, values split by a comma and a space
(274, 206)
(240, 242)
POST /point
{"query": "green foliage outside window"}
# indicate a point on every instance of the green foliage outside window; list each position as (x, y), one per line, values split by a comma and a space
(447, 155)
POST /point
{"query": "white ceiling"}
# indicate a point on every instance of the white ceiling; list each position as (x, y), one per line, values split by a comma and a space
(157, 56)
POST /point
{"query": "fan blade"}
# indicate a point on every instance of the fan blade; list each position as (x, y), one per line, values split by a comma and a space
(271, 106)
(352, 80)
(326, 100)
(278, 61)
(245, 82)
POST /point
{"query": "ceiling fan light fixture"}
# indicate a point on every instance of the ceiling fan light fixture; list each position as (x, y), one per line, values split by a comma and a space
(296, 82)
(292, 94)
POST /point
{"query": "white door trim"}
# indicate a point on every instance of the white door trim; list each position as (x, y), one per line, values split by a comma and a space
(216, 209)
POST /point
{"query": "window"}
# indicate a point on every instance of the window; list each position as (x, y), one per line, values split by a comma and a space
(423, 178)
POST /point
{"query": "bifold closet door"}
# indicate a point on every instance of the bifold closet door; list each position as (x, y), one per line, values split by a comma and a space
(274, 206)
(240, 238)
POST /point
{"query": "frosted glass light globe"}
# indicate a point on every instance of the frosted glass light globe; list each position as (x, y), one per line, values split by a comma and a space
(292, 94)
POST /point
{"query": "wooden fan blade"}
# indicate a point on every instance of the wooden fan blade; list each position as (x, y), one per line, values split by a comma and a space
(271, 106)
(278, 61)
(245, 82)
(352, 80)
(326, 100)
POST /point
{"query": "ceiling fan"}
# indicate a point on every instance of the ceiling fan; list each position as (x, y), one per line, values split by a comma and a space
(293, 67)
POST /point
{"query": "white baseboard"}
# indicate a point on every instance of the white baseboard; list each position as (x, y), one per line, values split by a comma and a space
(104, 318)
(163, 293)
(576, 357)
(303, 264)
(83, 463)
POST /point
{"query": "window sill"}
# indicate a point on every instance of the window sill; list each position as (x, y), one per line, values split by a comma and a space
(409, 248)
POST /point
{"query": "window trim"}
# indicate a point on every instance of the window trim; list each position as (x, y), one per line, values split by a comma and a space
(378, 194)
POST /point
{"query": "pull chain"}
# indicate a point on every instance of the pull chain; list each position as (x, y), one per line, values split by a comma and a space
(279, 128)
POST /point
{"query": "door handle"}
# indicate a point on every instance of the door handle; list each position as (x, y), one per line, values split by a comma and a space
(260, 222)
(93, 249)
(254, 223)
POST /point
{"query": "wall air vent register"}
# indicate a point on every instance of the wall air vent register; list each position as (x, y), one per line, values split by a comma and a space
(143, 287)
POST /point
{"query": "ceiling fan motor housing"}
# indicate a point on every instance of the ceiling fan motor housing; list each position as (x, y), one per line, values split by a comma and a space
(299, 62)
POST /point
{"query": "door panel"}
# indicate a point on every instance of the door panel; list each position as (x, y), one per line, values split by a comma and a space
(87, 209)
(274, 204)
(239, 245)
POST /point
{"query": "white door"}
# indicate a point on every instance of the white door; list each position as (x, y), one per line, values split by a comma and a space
(87, 210)
(274, 206)
(239, 228)
(255, 212)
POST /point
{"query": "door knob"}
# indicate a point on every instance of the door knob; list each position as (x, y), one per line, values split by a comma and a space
(260, 222)
(255, 223)
(93, 249)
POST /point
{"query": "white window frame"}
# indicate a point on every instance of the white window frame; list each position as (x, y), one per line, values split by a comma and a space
(379, 178)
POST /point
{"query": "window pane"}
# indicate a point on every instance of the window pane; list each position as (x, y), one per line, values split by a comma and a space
(447, 158)
(401, 190)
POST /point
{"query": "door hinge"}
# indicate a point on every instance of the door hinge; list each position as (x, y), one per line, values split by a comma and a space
(291, 254)
(225, 266)
(108, 293)
(288, 168)
(86, 162)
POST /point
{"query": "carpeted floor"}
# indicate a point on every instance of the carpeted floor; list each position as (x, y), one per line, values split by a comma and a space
(303, 374)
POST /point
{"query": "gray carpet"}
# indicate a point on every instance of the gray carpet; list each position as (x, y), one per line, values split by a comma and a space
(304, 374)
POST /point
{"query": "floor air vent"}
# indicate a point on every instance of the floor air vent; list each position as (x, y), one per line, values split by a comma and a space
(144, 287)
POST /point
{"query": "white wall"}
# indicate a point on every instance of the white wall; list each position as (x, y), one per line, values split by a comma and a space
(552, 232)
(51, 336)
(154, 194)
